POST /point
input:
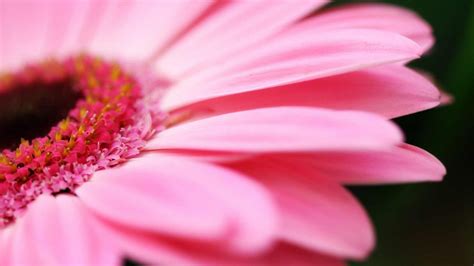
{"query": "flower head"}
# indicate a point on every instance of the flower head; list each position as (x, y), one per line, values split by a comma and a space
(108, 125)
(204, 132)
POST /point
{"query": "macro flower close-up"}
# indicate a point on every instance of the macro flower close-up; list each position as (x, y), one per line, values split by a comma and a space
(204, 132)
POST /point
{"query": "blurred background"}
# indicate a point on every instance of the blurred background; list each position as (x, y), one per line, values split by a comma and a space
(433, 223)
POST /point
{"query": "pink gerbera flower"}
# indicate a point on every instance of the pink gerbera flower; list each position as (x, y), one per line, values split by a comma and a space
(202, 132)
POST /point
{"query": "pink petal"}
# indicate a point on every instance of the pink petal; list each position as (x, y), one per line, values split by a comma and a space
(294, 57)
(236, 26)
(67, 21)
(282, 129)
(152, 249)
(390, 91)
(137, 29)
(58, 231)
(179, 197)
(325, 218)
(373, 16)
(317, 213)
(5, 245)
(94, 16)
(149, 248)
(209, 156)
(23, 27)
(50, 28)
(446, 98)
(399, 164)
(285, 254)
(21, 246)
(154, 202)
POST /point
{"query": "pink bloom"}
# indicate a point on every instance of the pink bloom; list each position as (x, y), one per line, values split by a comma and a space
(202, 132)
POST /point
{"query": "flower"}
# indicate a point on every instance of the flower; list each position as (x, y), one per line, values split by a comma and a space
(202, 132)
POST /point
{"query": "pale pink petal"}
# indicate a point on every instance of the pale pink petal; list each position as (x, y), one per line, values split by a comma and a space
(399, 164)
(373, 16)
(68, 22)
(209, 156)
(445, 97)
(390, 91)
(150, 248)
(154, 202)
(23, 28)
(317, 213)
(58, 231)
(292, 58)
(179, 197)
(153, 249)
(283, 129)
(137, 29)
(236, 26)
(21, 247)
(325, 218)
(5, 245)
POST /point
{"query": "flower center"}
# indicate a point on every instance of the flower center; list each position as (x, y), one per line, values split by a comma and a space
(32, 107)
(74, 117)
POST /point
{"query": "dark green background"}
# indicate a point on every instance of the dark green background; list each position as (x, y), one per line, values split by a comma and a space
(433, 223)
